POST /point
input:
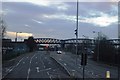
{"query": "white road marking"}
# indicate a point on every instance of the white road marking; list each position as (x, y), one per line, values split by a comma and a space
(31, 59)
(19, 62)
(73, 70)
(60, 59)
(30, 65)
(36, 57)
(28, 73)
(45, 69)
(49, 75)
(23, 62)
(65, 64)
(13, 67)
(92, 73)
(49, 68)
(37, 69)
(12, 59)
(44, 66)
(8, 69)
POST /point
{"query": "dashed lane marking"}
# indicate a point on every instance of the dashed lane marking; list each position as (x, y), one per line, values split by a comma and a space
(46, 69)
(73, 70)
(65, 64)
(28, 73)
(60, 59)
(37, 69)
(44, 66)
(49, 75)
(30, 65)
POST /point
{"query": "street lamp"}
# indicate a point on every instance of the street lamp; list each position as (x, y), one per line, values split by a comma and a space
(16, 36)
(76, 30)
(86, 37)
(98, 33)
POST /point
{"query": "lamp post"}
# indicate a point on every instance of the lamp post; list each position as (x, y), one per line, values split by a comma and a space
(98, 33)
(76, 31)
(16, 36)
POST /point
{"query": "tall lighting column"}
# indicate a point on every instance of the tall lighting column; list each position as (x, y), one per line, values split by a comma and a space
(76, 31)
(16, 36)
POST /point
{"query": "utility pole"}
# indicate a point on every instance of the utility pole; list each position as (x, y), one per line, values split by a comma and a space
(16, 36)
(98, 46)
(98, 43)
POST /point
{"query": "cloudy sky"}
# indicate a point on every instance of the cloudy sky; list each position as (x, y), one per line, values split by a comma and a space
(57, 19)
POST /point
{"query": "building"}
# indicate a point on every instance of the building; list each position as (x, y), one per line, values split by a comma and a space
(9, 46)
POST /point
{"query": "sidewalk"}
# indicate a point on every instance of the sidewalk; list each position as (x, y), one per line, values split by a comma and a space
(92, 70)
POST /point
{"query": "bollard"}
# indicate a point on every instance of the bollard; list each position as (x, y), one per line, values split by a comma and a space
(107, 74)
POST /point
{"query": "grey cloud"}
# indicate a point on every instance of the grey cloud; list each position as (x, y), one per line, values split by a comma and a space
(23, 13)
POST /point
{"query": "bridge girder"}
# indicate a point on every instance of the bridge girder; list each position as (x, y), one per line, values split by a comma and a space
(72, 41)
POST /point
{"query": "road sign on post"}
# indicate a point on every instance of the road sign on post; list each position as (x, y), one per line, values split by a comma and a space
(83, 59)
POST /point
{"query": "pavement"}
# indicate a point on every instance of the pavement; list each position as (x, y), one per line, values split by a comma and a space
(93, 69)
(36, 65)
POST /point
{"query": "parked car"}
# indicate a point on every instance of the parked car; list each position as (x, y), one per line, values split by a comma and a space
(59, 52)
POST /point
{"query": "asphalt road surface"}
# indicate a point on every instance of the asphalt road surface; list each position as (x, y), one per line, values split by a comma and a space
(92, 69)
(37, 65)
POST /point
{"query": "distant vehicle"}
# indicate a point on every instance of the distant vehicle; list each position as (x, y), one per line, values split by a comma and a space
(92, 52)
(59, 52)
(41, 49)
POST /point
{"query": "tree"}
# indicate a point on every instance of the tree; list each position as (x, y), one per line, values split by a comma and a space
(107, 51)
(31, 44)
(3, 28)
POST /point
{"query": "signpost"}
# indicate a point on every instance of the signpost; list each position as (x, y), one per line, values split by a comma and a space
(84, 58)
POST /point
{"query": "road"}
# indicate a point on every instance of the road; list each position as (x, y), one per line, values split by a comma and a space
(36, 65)
(92, 69)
